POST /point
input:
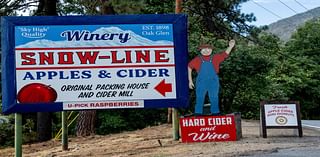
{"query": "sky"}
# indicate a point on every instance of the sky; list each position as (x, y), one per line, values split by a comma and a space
(264, 17)
(281, 10)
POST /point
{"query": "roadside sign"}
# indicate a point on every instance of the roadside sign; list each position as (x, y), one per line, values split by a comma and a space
(94, 62)
(209, 128)
(280, 115)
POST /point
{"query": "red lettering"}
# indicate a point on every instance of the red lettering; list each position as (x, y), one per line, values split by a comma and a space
(46, 58)
(65, 58)
(115, 58)
(87, 56)
(160, 56)
(128, 56)
(27, 56)
(143, 56)
(90, 57)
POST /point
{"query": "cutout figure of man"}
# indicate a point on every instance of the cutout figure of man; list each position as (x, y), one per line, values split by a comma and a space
(207, 67)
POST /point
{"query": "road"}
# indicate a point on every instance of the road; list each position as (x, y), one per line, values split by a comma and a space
(312, 151)
(312, 124)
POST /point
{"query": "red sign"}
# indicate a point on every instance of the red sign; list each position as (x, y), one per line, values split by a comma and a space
(208, 128)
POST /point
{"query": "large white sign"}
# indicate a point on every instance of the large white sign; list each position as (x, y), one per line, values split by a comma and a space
(83, 66)
(56, 63)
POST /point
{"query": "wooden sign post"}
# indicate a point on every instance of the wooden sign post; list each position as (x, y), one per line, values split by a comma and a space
(18, 135)
(280, 115)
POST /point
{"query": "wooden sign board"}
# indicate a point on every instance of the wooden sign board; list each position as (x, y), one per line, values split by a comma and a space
(280, 115)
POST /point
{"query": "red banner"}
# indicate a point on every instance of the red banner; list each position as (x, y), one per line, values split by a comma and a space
(208, 128)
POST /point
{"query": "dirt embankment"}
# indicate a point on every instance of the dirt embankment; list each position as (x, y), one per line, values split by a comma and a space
(157, 142)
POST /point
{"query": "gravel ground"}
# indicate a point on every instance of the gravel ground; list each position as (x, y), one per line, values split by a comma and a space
(157, 142)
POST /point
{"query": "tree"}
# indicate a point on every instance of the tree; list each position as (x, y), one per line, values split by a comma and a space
(221, 18)
(47, 7)
(302, 72)
(44, 119)
(158, 7)
(101, 7)
(9, 7)
(243, 78)
(86, 121)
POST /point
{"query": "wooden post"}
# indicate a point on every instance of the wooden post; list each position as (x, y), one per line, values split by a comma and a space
(175, 120)
(175, 124)
(178, 6)
(169, 116)
(18, 135)
(263, 120)
(64, 130)
(299, 118)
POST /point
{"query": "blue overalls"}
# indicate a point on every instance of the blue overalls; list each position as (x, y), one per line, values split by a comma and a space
(207, 81)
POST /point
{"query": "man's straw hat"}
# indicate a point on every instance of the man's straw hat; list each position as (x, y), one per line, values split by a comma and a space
(202, 46)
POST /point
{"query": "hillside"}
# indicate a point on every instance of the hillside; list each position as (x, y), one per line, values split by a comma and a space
(157, 142)
(286, 27)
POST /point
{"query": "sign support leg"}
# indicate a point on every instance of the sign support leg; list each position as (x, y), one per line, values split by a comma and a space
(175, 124)
(64, 130)
(18, 135)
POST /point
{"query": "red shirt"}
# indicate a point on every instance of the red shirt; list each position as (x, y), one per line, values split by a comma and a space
(216, 60)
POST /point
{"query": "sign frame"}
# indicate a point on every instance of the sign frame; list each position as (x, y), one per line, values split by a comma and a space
(179, 29)
(263, 121)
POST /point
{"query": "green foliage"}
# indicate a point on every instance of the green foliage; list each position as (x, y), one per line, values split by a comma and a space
(74, 7)
(9, 7)
(57, 125)
(158, 7)
(302, 71)
(83, 7)
(96, 7)
(128, 6)
(250, 114)
(112, 121)
(243, 80)
(222, 18)
(244, 75)
(7, 132)
(29, 135)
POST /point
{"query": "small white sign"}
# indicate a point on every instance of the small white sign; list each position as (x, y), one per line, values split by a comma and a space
(281, 115)
(102, 105)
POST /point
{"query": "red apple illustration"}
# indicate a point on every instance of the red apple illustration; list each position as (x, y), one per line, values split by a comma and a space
(37, 93)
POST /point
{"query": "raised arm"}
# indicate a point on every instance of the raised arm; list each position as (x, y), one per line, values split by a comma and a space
(232, 43)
